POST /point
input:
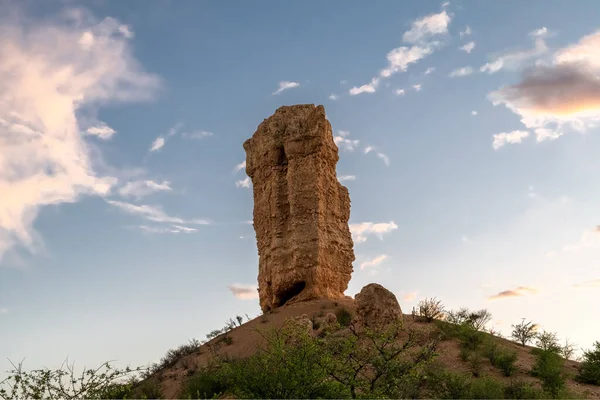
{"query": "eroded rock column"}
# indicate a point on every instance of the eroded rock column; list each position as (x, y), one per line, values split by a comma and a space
(301, 211)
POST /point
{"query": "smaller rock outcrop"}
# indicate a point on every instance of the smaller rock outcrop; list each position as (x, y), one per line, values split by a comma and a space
(377, 307)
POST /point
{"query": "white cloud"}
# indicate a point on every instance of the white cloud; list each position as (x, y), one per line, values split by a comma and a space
(153, 213)
(174, 129)
(514, 137)
(563, 93)
(515, 59)
(589, 238)
(464, 71)
(368, 88)
(543, 31)
(420, 37)
(543, 134)
(101, 131)
(245, 183)
(157, 144)
(361, 231)
(285, 85)
(333, 97)
(343, 143)
(400, 92)
(417, 87)
(429, 70)
(244, 292)
(373, 262)
(384, 158)
(426, 27)
(401, 57)
(466, 32)
(473, 112)
(369, 149)
(168, 229)
(143, 188)
(468, 47)
(240, 166)
(343, 178)
(54, 73)
(197, 134)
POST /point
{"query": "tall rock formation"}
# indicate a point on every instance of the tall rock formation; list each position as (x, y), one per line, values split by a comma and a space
(301, 211)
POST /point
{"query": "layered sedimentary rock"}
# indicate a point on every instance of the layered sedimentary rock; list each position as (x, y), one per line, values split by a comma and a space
(301, 211)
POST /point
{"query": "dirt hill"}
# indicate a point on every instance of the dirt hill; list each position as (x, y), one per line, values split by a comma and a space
(244, 341)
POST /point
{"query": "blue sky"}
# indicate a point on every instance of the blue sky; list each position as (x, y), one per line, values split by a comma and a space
(468, 141)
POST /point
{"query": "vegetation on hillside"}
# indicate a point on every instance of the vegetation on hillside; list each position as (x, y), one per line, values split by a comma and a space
(345, 361)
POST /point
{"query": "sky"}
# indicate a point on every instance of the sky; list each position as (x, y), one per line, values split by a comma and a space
(467, 131)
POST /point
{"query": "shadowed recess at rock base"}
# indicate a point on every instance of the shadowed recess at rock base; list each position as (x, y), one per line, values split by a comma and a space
(301, 211)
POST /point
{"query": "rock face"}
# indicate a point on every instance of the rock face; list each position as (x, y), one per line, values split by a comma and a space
(376, 306)
(301, 211)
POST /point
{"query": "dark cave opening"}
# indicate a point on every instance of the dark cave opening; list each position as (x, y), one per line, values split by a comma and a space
(290, 293)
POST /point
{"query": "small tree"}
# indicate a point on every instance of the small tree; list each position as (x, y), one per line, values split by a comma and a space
(548, 341)
(548, 367)
(479, 319)
(431, 309)
(524, 332)
(65, 383)
(567, 350)
(590, 366)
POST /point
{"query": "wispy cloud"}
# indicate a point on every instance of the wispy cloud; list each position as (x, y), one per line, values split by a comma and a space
(514, 59)
(143, 188)
(594, 283)
(333, 97)
(244, 183)
(417, 87)
(53, 74)
(197, 135)
(240, 166)
(466, 32)
(420, 38)
(400, 92)
(343, 178)
(468, 47)
(369, 149)
(426, 27)
(517, 292)
(562, 94)
(373, 262)
(154, 213)
(429, 70)
(345, 144)
(504, 138)
(370, 87)
(473, 112)
(167, 229)
(384, 158)
(361, 231)
(285, 85)
(589, 238)
(101, 131)
(244, 292)
(543, 31)
(157, 144)
(464, 71)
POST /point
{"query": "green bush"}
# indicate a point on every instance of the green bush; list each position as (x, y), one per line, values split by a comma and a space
(506, 362)
(590, 366)
(344, 317)
(548, 367)
(486, 388)
(470, 338)
(522, 390)
(475, 362)
(204, 384)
